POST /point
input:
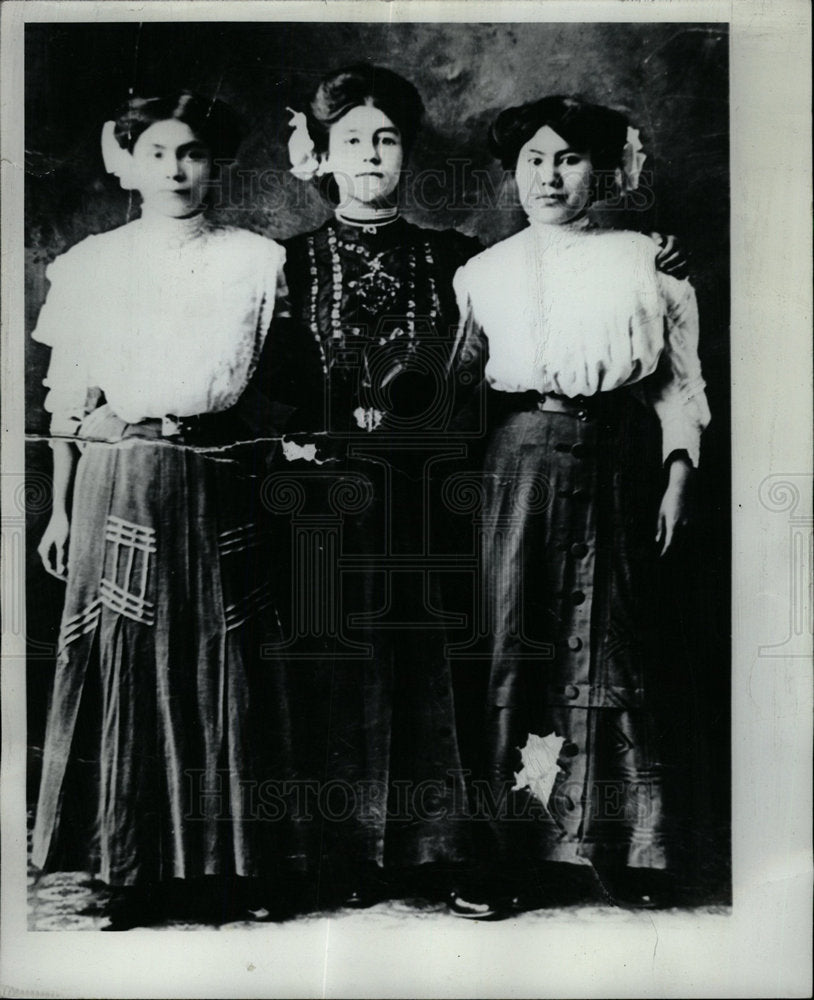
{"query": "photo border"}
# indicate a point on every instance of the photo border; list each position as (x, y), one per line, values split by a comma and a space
(761, 948)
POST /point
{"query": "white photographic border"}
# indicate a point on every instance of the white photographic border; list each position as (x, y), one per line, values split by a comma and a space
(762, 948)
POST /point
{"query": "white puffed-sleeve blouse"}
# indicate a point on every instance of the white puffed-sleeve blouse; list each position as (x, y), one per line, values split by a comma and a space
(574, 310)
(165, 316)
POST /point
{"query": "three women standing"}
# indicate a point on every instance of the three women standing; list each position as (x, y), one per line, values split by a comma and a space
(168, 568)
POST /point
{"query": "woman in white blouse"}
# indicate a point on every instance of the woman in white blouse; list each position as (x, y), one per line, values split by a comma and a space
(577, 334)
(155, 329)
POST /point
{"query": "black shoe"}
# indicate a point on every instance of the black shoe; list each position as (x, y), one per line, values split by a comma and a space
(280, 899)
(525, 902)
(473, 906)
(641, 888)
(133, 908)
(273, 909)
(364, 888)
(361, 897)
(275, 913)
(557, 884)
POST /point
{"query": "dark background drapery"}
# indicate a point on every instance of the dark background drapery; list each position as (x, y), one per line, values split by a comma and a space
(671, 79)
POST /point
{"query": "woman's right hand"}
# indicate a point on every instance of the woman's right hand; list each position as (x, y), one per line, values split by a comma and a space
(671, 258)
(53, 548)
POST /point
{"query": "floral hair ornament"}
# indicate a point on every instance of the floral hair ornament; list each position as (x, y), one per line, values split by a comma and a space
(632, 161)
(117, 161)
(305, 163)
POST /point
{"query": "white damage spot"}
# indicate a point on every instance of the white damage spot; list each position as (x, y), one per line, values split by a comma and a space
(368, 419)
(307, 452)
(540, 768)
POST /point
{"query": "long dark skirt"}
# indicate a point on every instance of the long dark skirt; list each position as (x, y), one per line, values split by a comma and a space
(574, 763)
(373, 725)
(163, 714)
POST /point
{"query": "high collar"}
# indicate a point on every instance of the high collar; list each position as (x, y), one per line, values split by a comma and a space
(546, 233)
(374, 237)
(173, 231)
(367, 217)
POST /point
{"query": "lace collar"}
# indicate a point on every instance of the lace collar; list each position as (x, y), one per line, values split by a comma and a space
(173, 232)
(549, 233)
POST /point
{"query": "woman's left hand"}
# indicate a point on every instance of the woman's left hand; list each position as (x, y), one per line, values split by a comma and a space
(671, 258)
(674, 512)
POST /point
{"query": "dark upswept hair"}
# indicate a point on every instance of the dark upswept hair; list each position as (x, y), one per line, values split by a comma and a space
(362, 84)
(212, 121)
(589, 128)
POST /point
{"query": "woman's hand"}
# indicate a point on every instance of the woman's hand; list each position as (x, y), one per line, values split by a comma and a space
(671, 258)
(53, 549)
(674, 512)
(102, 424)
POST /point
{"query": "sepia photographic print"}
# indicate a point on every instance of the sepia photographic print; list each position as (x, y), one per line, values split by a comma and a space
(406, 581)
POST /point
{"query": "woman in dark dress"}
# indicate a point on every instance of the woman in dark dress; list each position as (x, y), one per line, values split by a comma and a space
(364, 366)
(576, 329)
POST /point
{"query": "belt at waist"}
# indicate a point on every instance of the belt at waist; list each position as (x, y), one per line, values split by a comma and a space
(204, 429)
(579, 407)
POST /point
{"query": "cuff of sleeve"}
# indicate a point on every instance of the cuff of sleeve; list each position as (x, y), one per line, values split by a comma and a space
(679, 436)
(63, 426)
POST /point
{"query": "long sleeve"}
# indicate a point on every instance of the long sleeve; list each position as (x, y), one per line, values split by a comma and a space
(676, 389)
(470, 351)
(468, 358)
(291, 369)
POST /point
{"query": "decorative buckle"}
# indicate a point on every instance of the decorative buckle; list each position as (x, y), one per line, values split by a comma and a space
(171, 426)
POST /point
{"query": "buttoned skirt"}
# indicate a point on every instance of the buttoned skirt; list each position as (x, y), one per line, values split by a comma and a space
(574, 763)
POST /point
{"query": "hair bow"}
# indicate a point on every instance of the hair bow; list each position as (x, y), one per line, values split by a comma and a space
(305, 163)
(632, 160)
(117, 161)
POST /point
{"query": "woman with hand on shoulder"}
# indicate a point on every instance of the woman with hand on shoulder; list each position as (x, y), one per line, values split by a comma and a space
(580, 336)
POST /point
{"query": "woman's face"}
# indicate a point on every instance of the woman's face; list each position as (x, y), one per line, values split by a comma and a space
(171, 168)
(553, 179)
(365, 156)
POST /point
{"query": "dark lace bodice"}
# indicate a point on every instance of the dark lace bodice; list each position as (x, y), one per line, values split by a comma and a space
(373, 323)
